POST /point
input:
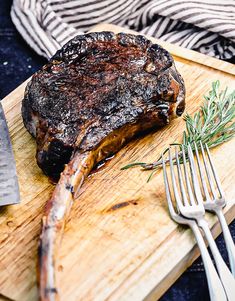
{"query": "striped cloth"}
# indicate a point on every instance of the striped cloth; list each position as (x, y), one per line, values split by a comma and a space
(207, 26)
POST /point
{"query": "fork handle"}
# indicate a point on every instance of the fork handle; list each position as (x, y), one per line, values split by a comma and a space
(228, 240)
(215, 286)
(225, 275)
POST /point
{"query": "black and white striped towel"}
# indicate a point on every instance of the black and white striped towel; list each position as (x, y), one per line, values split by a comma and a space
(207, 26)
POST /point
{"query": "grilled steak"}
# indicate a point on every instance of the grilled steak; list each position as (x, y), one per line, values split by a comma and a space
(93, 87)
(93, 96)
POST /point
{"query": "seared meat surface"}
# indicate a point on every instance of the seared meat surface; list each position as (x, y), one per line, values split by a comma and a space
(94, 95)
(94, 86)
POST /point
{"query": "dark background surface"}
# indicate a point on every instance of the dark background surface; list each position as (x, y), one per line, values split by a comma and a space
(17, 60)
(17, 63)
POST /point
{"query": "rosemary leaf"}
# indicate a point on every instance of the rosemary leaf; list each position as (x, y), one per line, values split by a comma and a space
(133, 165)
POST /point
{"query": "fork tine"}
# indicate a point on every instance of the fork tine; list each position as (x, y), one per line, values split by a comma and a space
(175, 189)
(206, 192)
(167, 188)
(221, 192)
(183, 192)
(190, 193)
(207, 171)
(196, 186)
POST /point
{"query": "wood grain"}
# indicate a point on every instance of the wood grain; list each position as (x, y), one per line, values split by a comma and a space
(120, 243)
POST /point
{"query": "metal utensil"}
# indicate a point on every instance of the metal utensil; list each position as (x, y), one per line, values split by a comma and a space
(215, 286)
(190, 205)
(9, 188)
(214, 198)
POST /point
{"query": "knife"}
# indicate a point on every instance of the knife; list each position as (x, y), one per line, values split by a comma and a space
(9, 187)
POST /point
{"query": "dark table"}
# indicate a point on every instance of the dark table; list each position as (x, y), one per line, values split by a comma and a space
(18, 62)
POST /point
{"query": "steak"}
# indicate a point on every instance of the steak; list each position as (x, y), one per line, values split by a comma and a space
(95, 86)
(94, 95)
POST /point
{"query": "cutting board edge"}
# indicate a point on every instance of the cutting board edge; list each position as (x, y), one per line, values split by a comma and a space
(8, 102)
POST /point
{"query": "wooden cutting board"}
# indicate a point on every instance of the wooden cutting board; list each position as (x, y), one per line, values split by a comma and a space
(119, 243)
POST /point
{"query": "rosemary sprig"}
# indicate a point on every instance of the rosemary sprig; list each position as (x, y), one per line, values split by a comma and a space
(212, 125)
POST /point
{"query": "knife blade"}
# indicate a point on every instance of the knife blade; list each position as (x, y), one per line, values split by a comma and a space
(9, 187)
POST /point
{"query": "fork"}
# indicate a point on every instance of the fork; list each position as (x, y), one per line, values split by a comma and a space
(215, 287)
(215, 203)
(191, 206)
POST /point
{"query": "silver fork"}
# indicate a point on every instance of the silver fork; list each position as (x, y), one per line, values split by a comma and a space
(216, 289)
(191, 206)
(215, 203)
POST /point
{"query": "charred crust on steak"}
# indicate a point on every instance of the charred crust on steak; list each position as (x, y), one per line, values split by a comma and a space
(97, 84)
